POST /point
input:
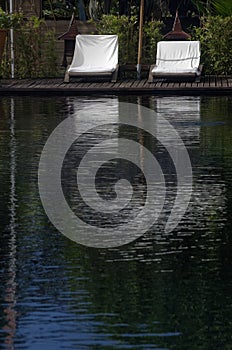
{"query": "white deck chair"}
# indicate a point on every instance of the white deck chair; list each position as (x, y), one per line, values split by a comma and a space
(94, 55)
(177, 59)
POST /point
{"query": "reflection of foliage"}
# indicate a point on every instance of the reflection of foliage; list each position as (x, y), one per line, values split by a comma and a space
(139, 294)
(215, 36)
(136, 303)
(128, 297)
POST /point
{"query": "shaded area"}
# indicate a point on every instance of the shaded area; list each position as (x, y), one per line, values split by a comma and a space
(160, 292)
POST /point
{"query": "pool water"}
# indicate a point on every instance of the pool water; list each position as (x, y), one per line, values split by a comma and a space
(161, 291)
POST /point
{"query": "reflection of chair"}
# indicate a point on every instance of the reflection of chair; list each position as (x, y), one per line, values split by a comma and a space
(177, 59)
(94, 56)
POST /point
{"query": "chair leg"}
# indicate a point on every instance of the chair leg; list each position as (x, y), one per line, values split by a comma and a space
(198, 77)
(115, 75)
(150, 76)
(66, 77)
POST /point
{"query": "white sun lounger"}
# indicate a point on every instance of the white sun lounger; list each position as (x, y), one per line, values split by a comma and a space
(94, 56)
(176, 59)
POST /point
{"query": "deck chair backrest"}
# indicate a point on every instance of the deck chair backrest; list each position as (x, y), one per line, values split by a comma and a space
(96, 51)
(178, 54)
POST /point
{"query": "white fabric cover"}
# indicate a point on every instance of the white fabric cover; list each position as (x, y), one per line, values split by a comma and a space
(95, 54)
(177, 57)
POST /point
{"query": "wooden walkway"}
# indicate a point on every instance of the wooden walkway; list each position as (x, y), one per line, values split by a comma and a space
(56, 86)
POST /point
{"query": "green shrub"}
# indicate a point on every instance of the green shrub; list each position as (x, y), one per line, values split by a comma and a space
(34, 51)
(151, 35)
(10, 20)
(215, 36)
(127, 30)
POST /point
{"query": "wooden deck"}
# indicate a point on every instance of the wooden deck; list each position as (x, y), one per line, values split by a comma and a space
(56, 86)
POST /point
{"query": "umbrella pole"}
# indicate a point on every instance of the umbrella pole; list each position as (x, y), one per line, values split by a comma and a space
(12, 43)
(140, 39)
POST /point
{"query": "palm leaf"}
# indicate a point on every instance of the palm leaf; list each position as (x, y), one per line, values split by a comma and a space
(222, 7)
(214, 7)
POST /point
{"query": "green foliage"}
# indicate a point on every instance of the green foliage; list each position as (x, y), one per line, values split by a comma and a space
(49, 67)
(58, 9)
(127, 30)
(35, 53)
(215, 36)
(222, 7)
(151, 35)
(153, 9)
(214, 7)
(10, 20)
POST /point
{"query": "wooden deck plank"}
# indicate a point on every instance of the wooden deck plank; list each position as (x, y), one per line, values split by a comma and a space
(13, 83)
(146, 85)
(212, 81)
(174, 85)
(224, 82)
(106, 85)
(188, 85)
(10, 82)
(182, 85)
(70, 86)
(40, 85)
(158, 84)
(20, 83)
(123, 83)
(135, 84)
(207, 85)
(61, 85)
(55, 83)
(219, 81)
(194, 85)
(229, 82)
(143, 82)
(130, 84)
(206, 82)
(200, 84)
(78, 84)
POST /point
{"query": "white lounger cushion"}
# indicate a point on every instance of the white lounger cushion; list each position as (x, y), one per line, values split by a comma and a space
(95, 54)
(177, 57)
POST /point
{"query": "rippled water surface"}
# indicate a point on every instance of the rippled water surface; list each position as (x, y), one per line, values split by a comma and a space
(161, 291)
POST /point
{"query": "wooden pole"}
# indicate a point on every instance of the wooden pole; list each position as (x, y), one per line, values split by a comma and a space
(12, 43)
(140, 38)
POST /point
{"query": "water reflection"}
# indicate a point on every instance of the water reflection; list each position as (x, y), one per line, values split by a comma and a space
(162, 291)
(10, 295)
